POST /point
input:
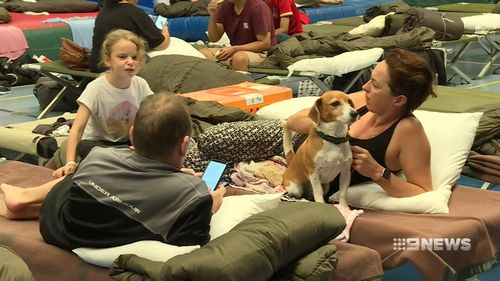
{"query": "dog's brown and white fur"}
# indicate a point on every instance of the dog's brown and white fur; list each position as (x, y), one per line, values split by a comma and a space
(318, 161)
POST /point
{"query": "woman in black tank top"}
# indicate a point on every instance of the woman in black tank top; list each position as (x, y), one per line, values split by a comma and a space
(388, 138)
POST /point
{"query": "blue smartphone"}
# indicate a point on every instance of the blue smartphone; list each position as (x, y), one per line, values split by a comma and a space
(213, 173)
(161, 21)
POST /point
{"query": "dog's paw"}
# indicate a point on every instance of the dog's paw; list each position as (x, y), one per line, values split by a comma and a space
(343, 202)
(332, 199)
(319, 199)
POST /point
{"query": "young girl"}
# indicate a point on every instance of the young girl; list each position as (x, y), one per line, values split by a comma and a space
(108, 104)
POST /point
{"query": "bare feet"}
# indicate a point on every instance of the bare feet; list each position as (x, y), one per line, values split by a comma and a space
(4, 212)
(14, 197)
(20, 210)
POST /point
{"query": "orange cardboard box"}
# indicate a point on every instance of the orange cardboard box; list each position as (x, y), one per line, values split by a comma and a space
(247, 95)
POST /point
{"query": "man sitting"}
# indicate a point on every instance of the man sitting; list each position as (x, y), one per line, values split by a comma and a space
(118, 196)
(249, 26)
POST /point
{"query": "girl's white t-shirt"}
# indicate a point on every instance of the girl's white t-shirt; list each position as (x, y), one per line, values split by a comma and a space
(112, 110)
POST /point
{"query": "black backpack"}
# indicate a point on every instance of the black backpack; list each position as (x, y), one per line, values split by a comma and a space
(13, 72)
(46, 89)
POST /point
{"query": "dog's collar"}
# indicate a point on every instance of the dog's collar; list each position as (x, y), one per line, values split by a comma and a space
(331, 139)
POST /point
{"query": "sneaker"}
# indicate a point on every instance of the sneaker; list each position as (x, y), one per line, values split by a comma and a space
(4, 88)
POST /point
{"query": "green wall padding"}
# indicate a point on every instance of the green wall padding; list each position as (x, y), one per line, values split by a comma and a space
(47, 42)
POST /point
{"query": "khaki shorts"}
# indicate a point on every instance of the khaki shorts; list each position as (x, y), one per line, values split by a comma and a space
(254, 58)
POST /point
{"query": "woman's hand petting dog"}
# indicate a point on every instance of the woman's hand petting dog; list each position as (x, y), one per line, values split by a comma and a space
(363, 163)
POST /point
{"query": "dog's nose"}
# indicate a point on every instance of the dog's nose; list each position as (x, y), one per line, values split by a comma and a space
(354, 114)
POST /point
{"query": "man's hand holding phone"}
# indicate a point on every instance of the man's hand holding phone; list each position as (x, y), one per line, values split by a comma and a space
(213, 173)
(217, 197)
(212, 176)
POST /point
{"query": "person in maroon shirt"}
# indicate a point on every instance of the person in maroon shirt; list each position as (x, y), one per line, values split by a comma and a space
(249, 27)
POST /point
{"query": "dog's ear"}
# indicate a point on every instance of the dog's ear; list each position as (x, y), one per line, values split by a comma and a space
(314, 112)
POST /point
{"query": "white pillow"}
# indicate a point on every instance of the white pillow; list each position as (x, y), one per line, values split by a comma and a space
(283, 109)
(339, 64)
(178, 47)
(484, 22)
(153, 250)
(373, 28)
(235, 209)
(450, 136)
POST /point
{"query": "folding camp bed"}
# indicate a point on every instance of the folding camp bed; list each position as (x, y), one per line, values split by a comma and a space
(313, 76)
(465, 41)
(464, 7)
(493, 52)
(484, 39)
(452, 99)
(20, 138)
(325, 27)
(350, 21)
(426, 3)
(53, 70)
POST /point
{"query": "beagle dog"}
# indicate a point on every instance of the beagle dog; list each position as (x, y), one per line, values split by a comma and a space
(326, 151)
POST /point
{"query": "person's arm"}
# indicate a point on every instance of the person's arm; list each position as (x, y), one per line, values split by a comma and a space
(75, 135)
(300, 121)
(215, 30)
(166, 42)
(413, 157)
(262, 44)
(217, 197)
(285, 12)
(284, 25)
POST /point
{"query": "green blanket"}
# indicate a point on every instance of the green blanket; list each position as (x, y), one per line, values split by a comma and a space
(291, 240)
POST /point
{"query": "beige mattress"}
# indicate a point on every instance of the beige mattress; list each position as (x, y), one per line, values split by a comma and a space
(19, 137)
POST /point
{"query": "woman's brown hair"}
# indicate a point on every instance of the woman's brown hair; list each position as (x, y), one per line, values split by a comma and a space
(409, 75)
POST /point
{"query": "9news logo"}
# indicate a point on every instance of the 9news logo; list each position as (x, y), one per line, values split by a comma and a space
(433, 244)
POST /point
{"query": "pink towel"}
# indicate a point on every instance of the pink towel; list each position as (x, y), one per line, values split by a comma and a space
(14, 42)
(350, 216)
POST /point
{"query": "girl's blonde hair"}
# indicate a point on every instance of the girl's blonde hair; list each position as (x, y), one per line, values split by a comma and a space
(118, 34)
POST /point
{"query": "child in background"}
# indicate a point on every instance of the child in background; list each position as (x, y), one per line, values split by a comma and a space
(108, 105)
(286, 17)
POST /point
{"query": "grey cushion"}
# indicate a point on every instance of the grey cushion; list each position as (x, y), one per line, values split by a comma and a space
(234, 142)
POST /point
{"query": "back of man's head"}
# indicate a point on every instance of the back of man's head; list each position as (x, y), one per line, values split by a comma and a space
(160, 125)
